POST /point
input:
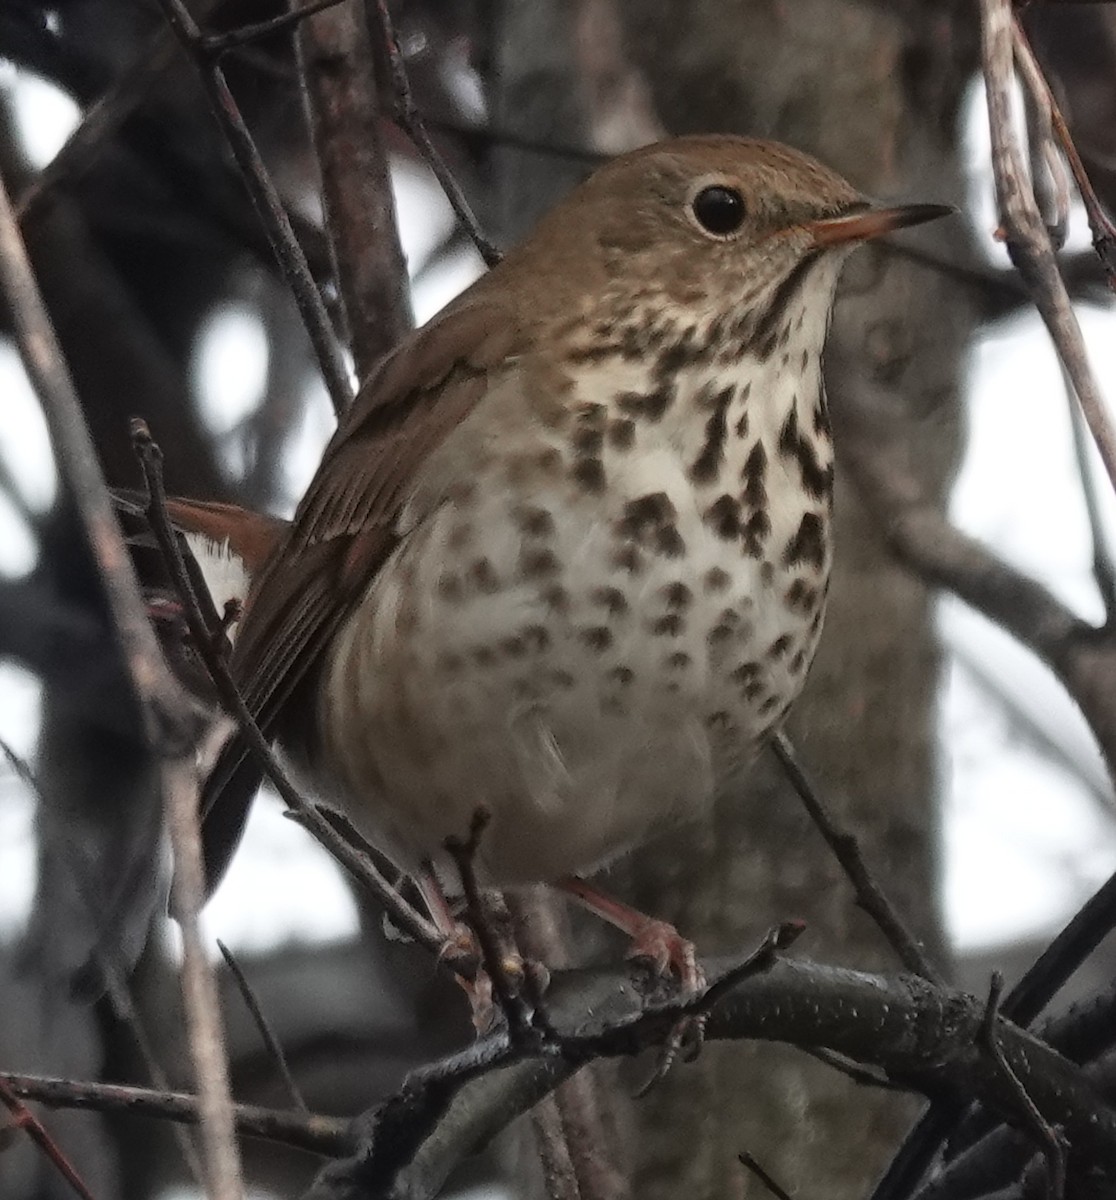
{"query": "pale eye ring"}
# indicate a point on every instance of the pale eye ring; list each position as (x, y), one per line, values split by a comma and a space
(719, 209)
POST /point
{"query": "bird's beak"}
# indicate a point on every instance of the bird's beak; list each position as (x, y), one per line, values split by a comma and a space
(870, 222)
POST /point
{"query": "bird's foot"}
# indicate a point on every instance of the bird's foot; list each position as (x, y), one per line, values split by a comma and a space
(658, 942)
(668, 952)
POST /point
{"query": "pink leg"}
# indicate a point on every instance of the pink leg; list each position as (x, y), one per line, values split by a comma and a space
(652, 939)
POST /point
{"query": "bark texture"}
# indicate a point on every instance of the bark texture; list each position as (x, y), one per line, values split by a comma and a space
(874, 93)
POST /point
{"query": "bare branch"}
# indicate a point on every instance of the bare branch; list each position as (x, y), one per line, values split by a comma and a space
(1101, 227)
(1025, 234)
(288, 252)
(1104, 570)
(337, 71)
(869, 895)
(317, 1134)
(1052, 1147)
(270, 1041)
(410, 121)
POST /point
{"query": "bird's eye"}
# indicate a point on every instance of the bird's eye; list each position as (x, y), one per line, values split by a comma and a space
(719, 210)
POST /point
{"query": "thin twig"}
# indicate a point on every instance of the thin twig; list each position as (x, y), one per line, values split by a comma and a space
(869, 895)
(852, 1070)
(1100, 225)
(316, 1133)
(169, 722)
(775, 1188)
(523, 1031)
(409, 119)
(26, 1120)
(1025, 234)
(270, 1041)
(21, 768)
(231, 39)
(288, 253)
(1050, 1142)
(1104, 569)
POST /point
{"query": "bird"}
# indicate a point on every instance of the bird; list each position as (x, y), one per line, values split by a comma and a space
(565, 559)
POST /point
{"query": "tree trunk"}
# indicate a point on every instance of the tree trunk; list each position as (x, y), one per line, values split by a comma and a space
(875, 95)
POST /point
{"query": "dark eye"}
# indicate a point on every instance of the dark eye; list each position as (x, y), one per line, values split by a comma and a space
(719, 209)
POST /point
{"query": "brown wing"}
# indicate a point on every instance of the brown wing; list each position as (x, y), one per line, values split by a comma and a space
(343, 531)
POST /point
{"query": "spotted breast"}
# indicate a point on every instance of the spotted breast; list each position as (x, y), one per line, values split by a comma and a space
(604, 611)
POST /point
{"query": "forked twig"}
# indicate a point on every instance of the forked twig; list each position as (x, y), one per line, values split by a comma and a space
(409, 119)
(1025, 234)
(1053, 1151)
(1100, 224)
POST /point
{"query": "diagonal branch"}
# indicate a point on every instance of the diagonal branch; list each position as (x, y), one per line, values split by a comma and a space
(288, 252)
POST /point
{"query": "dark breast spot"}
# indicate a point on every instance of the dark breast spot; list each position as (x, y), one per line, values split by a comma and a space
(611, 598)
(536, 637)
(755, 532)
(779, 646)
(596, 637)
(650, 406)
(804, 451)
(556, 598)
(538, 564)
(450, 587)
(808, 544)
(716, 580)
(670, 625)
(587, 444)
(590, 474)
(708, 462)
(723, 517)
(677, 595)
(650, 521)
(621, 433)
(483, 576)
(627, 557)
(534, 521)
(754, 477)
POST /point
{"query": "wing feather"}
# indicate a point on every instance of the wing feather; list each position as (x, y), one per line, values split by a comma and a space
(343, 531)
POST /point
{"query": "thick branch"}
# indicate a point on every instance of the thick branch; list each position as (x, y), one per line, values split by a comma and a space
(337, 69)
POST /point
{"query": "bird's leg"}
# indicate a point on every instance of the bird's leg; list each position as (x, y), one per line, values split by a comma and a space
(652, 939)
(459, 938)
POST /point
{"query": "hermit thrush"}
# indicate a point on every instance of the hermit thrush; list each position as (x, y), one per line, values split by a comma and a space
(565, 560)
